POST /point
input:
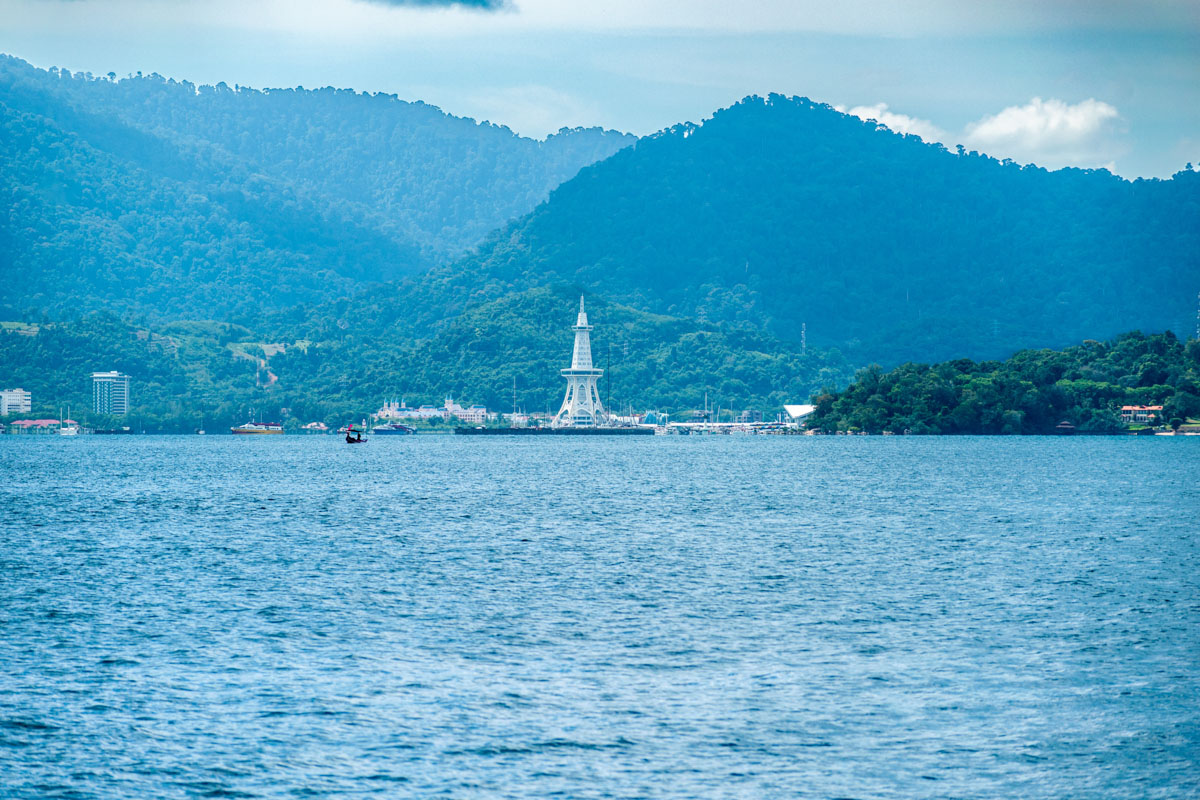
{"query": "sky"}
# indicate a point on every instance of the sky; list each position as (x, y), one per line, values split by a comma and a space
(1087, 83)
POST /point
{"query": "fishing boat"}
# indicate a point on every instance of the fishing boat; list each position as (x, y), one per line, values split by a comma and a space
(258, 427)
(354, 436)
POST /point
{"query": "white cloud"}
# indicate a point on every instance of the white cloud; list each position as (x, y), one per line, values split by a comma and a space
(900, 123)
(1051, 133)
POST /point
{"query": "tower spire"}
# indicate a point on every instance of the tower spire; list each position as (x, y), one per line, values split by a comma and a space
(581, 406)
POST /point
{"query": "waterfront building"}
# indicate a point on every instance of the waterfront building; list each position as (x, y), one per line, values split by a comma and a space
(475, 414)
(581, 406)
(110, 393)
(393, 410)
(39, 425)
(799, 413)
(15, 401)
(1131, 414)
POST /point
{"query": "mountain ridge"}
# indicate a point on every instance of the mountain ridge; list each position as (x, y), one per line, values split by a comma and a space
(859, 234)
(354, 189)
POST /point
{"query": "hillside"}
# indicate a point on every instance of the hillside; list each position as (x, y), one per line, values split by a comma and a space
(182, 201)
(781, 212)
(182, 371)
(1031, 392)
(655, 361)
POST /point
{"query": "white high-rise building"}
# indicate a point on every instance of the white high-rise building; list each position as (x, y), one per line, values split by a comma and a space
(581, 407)
(110, 393)
(15, 401)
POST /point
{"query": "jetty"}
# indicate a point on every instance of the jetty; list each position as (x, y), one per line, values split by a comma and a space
(546, 431)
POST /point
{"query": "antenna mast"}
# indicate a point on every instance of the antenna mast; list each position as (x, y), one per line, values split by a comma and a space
(608, 370)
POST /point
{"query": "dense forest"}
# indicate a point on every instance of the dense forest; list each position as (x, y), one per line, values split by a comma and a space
(183, 201)
(781, 212)
(1031, 392)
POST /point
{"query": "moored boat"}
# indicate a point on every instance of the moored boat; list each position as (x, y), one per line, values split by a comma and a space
(392, 429)
(67, 427)
(258, 427)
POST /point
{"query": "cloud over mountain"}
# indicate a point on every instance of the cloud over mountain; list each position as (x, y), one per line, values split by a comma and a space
(900, 123)
(1051, 133)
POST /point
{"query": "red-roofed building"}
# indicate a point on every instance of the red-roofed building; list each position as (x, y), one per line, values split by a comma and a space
(1140, 413)
(36, 425)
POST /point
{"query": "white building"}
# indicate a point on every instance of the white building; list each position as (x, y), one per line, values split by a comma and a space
(15, 401)
(391, 409)
(475, 415)
(799, 413)
(394, 410)
(110, 393)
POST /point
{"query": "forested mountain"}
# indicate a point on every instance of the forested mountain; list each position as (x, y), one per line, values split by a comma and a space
(781, 212)
(1031, 392)
(184, 201)
(311, 219)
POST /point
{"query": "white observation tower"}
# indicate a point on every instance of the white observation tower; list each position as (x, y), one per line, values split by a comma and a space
(581, 407)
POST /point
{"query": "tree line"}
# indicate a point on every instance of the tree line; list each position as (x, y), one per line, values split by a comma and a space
(1032, 392)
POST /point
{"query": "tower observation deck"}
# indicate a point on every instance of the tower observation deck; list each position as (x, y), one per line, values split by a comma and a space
(581, 406)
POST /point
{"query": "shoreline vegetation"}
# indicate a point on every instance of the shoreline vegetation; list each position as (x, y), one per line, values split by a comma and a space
(187, 376)
(1031, 392)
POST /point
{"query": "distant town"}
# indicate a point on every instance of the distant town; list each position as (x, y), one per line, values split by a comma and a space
(582, 411)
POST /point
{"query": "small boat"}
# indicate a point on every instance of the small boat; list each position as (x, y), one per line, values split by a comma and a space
(392, 429)
(258, 427)
(354, 436)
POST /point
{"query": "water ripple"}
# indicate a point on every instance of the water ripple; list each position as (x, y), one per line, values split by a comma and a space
(668, 618)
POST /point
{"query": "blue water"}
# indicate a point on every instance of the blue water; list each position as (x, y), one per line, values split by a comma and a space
(655, 618)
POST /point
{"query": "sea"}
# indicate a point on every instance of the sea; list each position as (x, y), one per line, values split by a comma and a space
(648, 617)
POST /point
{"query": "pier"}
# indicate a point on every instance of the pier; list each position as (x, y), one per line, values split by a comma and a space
(640, 431)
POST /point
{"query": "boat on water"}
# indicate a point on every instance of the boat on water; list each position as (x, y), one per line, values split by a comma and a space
(392, 429)
(67, 427)
(354, 436)
(258, 427)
